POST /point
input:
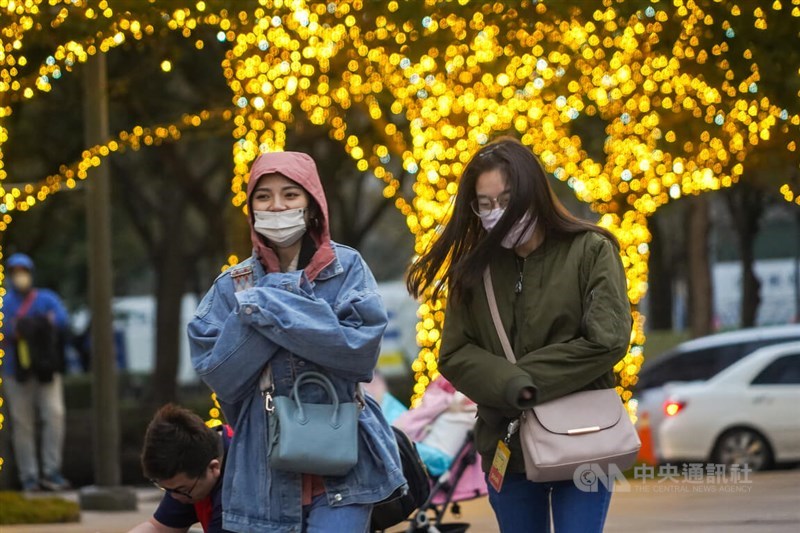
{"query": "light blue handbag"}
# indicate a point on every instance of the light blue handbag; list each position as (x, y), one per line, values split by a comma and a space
(312, 438)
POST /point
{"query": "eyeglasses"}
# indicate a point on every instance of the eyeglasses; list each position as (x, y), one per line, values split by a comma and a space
(483, 205)
(179, 492)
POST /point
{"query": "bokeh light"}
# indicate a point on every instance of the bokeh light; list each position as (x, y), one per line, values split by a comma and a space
(632, 104)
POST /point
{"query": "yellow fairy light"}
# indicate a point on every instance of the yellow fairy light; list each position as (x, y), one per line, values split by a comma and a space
(442, 83)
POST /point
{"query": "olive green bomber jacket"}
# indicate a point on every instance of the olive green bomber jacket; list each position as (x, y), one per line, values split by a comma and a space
(568, 327)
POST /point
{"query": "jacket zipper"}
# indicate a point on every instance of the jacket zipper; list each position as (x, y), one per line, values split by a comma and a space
(520, 262)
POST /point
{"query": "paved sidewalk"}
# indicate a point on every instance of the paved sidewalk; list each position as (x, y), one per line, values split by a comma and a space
(771, 503)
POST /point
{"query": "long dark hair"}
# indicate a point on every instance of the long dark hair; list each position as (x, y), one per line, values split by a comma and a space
(463, 240)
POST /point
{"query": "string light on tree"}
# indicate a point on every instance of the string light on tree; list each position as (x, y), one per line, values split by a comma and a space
(678, 98)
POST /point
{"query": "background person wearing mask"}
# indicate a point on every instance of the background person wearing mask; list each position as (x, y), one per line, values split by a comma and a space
(300, 303)
(34, 329)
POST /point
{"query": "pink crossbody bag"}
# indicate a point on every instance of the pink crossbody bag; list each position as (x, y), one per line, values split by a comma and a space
(582, 431)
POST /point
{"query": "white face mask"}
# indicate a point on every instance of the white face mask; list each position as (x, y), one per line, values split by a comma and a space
(281, 228)
(489, 220)
(517, 235)
(22, 281)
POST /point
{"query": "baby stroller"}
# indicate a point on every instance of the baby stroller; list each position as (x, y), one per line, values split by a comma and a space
(463, 481)
(442, 429)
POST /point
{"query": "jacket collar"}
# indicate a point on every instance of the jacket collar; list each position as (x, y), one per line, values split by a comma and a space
(333, 268)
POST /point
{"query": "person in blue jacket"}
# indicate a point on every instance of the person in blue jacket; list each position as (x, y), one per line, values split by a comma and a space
(300, 303)
(34, 329)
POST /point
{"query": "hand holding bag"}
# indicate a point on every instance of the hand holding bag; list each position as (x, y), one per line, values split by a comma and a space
(587, 427)
(310, 438)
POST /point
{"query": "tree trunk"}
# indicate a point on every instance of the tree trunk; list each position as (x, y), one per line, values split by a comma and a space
(700, 284)
(170, 278)
(106, 441)
(746, 205)
(751, 285)
(238, 235)
(659, 281)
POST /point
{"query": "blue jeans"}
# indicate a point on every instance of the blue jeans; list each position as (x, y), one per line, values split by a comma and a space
(524, 506)
(319, 517)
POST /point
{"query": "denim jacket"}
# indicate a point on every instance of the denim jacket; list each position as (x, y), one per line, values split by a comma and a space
(333, 325)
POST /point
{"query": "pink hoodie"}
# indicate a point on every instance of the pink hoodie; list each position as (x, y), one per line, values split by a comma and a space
(301, 169)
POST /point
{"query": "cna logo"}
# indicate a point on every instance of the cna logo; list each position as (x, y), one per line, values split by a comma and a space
(692, 477)
(589, 477)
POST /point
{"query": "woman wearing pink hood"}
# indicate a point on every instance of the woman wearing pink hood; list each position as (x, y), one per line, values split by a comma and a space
(301, 303)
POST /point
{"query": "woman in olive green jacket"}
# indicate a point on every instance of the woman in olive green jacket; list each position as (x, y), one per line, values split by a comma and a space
(561, 292)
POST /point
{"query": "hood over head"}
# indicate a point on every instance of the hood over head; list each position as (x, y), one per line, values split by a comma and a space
(300, 168)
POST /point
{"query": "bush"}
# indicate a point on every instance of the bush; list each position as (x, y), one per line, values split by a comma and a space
(660, 341)
(17, 509)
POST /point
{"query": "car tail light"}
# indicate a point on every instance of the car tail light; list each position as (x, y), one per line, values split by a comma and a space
(673, 407)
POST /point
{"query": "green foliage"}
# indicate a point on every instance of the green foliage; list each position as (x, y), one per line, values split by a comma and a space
(17, 509)
(660, 341)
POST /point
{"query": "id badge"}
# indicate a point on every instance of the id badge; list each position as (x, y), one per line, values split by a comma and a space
(499, 465)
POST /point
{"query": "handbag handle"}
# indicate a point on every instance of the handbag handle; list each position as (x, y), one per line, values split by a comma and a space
(322, 380)
(498, 323)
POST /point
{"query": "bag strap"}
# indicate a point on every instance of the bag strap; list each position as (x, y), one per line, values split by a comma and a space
(265, 380)
(498, 323)
(26, 304)
(513, 426)
(266, 387)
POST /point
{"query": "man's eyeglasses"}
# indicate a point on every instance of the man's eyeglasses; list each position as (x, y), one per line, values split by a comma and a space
(483, 205)
(179, 492)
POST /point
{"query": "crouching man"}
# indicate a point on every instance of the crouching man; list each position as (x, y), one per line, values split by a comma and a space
(185, 458)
